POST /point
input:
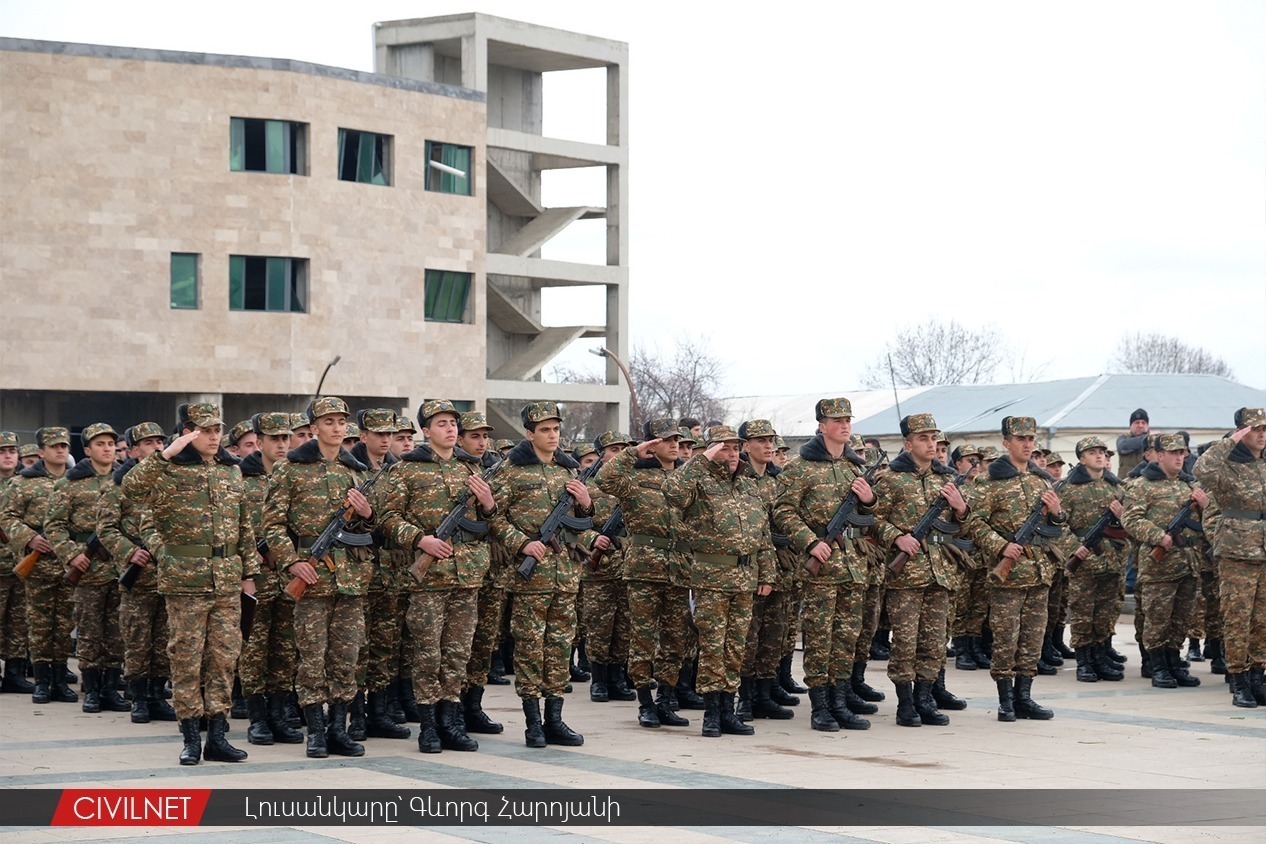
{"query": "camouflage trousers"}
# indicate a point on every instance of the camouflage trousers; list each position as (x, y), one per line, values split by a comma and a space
(1094, 605)
(581, 630)
(1057, 600)
(1168, 608)
(13, 629)
(1208, 620)
(99, 643)
(766, 636)
(971, 603)
(403, 659)
(487, 635)
(442, 623)
(792, 603)
(49, 618)
(872, 608)
(203, 645)
(143, 625)
(379, 655)
(723, 619)
(658, 617)
(1243, 599)
(1017, 618)
(543, 625)
(604, 611)
(832, 621)
(329, 632)
(918, 618)
(268, 657)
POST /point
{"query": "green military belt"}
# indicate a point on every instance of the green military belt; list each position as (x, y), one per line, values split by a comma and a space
(723, 559)
(661, 542)
(1250, 515)
(229, 550)
(80, 537)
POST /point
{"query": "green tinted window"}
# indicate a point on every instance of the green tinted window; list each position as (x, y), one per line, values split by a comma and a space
(184, 280)
(446, 295)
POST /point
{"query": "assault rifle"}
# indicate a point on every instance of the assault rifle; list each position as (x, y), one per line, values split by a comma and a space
(452, 522)
(1033, 527)
(611, 530)
(95, 551)
(335, 533)
(846, 517)
(1174, 530)
(1107, 526)
(931, 521)
(560, 517)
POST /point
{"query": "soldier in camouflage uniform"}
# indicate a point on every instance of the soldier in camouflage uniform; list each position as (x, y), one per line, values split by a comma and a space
(69, 525)
(28, 455)
(971, 600)
(48, 594)
(318, 479)
(1002, 498)
(443, 607)
(122, 525)
(543, 613)
(684, 695)
(202, 532)
(860, 696)
(1094, 586)
(653, 555)
(1234, 471)
(919, 597)
(727, 523)
(812, 487)
(13, 630)
(243, 441)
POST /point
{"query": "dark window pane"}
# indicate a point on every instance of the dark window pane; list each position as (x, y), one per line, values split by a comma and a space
(184, 280)
(256, 156)
(237, 283)
(237, 144)
(256, 284)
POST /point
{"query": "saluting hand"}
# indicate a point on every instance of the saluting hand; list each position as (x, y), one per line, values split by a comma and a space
(644, 449)
(178, 444)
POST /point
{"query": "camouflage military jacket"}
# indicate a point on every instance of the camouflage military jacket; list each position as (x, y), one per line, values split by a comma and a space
(416, 494)
(1237, 480)
(121, 526)
(1150, 505)
(1084, 500)
(811, 488)
(651, 553)
(904, 493)
(726, 521)
(72, 519)
(526, 490)
(1001, 499)
(23, 515)
(6, 554)
(270, 581)
(200, 521)
(611, 566)
(768, 570)
(304, 493)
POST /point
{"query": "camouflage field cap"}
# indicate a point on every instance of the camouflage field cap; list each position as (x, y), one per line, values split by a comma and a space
(990, 452)
(539, 411)
(143, 431)
(204, 414)
(404, 423)
(95, 430)
(856, 443)
(272, 424)
(240, 430)
(473, 421)
(685, 436)
(1251, 417)
(379, 420)
(1052, 457)
(965, 450)
(434, 406)
(326, 405)
(1086, 443)
(28, 450)
(1152, 442)
(917, 423)
(833, 409)
(8, 439)
(299, 420)
(756, 428)
(52, 436)
(582, 449)
(721, 434)
(1019, 426)
(353, 432)
(780, 444)
(564, 445)
(661, 429)
(1171, 442)
(502, 445)
(610, 438)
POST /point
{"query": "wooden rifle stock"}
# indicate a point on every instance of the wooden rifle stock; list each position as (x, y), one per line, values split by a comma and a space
(27, 564)
(1003, 570)
(421, 565)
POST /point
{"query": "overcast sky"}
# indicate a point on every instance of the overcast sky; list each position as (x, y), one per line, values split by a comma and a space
(807, 179)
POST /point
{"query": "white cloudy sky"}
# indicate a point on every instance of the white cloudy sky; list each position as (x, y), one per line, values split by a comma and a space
(807, 177)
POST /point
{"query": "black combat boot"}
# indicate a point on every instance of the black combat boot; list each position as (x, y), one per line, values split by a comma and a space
(191, 753)
(1085, 668)
(1178, 671)
(1006, 699)
(356, 728)
(574, 671)
(294, 713)
(15, 681)
(582, 658)
(497, 670)
(111, 700)
(980, 652)
(556, 731)
(448, 722)
(477, 721)
(820, 717)
(282, 732)
(393, 709)
(786, 681)
(746, 693)
(730, 723)
(861, 688)
(238, 710)
(666, 707)
(534, 734)
(687, 697)
(377, 724)
(92, 690)
(845, 715)
(1159, 663)
(257, 709)
(1049, 655)
(1045, 669)
(62, 670)
(764, 705)
(1025, 707)
(336, 737)
(844, 691)
(159, 708)
(428, 730)
(218, 748)
(1145, 662)
(1217, 659)
(712, 715)
(598, 685)
(907, 715)
(1113, 653)
(318, 744)
(925, 705)
(408, 701)
(1242, 691)
(1103, 665)
(1193, 650)
(618, 682)
(964, 657)
(42, 691)
(880, 647)
(781, 696)
(1257, 685)
(140, 699)
(647, 713)
(945, 699)
(59, 690)
(1063, 649)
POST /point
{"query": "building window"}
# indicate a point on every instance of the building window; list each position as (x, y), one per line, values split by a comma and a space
(184, 280)
(364, 157)
(448, 168)
(267, 146)
(268, 284)
(446, 295)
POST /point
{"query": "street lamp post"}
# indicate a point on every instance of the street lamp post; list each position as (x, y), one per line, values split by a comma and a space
(634, 412)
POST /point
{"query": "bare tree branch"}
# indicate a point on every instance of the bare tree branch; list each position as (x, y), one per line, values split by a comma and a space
(934, 353)
(1157, 353)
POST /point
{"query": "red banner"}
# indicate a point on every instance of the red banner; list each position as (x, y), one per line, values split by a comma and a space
(131, 807)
